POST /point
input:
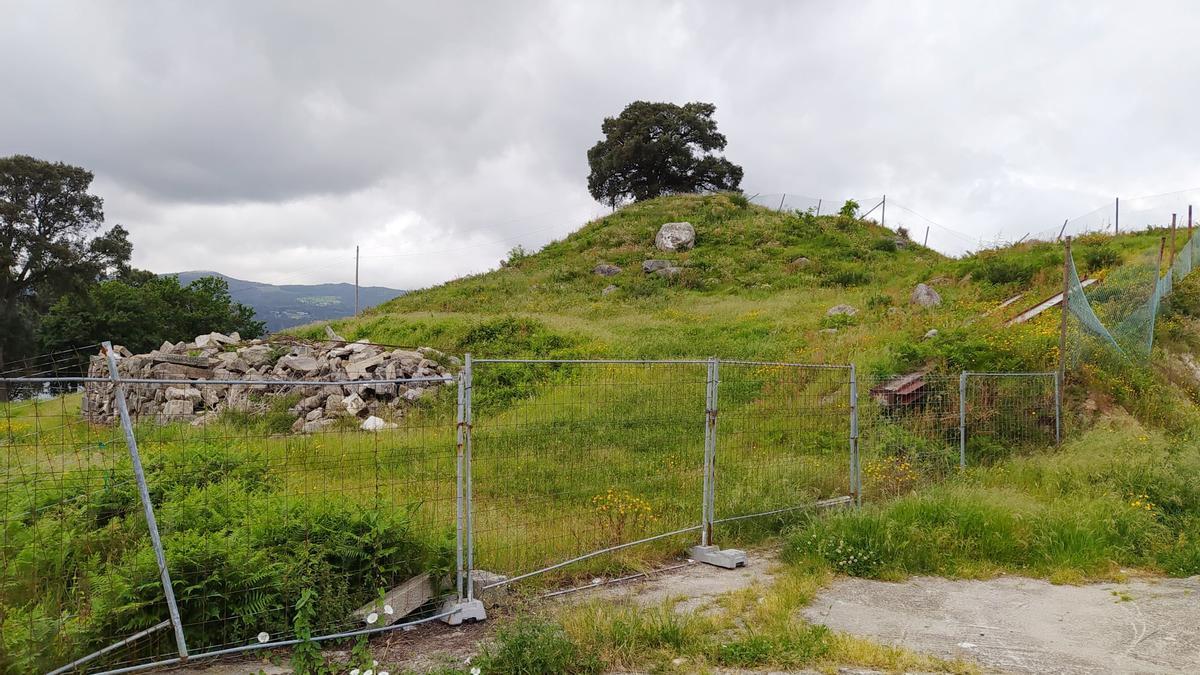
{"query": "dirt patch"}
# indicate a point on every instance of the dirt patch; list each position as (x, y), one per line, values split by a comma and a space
(1025, 625)
(693, 586)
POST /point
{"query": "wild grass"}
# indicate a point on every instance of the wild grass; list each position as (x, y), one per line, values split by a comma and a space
(1117, 497)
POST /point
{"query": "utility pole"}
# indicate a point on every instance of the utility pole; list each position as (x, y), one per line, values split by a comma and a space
(355, 281)
(1117, 221)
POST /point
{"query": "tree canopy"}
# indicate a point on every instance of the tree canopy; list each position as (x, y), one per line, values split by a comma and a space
(141, 310)
(653, 149)
(51, 243)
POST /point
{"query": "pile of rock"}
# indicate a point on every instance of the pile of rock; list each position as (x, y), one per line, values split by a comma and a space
(349, 380)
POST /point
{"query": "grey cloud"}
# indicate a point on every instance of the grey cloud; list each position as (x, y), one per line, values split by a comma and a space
(298, 129)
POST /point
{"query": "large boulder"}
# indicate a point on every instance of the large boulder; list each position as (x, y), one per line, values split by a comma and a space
(675, 237)
(925, 296)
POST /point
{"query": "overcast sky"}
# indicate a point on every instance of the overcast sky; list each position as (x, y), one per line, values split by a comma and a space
(264, 140)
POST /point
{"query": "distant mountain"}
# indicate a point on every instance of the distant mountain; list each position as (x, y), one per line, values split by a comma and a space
(294, 304)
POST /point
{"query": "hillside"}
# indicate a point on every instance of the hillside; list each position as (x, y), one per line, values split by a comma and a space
(758, 284)
(288, 305)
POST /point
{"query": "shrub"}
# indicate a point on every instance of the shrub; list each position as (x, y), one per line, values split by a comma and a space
(535, 647)
(879, 301)
(849, 209)
(843, 275)
(886, 245)
(1098, 257)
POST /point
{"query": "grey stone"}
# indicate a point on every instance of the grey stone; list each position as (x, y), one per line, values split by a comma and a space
(654, 265)
(332, 335)
(177, 409)
(801, 262)
(373, 423)
(335, 404)
(183, 393)
(354, 404)
(606, 270)
(932, 333)
(669, 271)
(314, 415)
(414, 394)
(318, 425)
(257, 355)
(841, 309)
(925, 296)
(608, 289)
(675, 237)
(300, 364)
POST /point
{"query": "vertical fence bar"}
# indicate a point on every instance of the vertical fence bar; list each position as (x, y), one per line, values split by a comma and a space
(962, 420)
(1057, 409)
(710, 453)
(459, 510)
(144, 493)
(468, 418)
(855, 463)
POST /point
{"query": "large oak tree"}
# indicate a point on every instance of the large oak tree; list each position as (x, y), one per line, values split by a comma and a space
(653, 149)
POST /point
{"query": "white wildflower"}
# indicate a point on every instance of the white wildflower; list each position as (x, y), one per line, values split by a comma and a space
(354, 671)
(372, 618)
(476, 671)
(387, 609)
(264, 637)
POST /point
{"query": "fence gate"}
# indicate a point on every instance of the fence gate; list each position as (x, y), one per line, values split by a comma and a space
(609, 454)
(783, 440)
(1002, 413)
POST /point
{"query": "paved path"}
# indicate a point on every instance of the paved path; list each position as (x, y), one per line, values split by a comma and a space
(1023, 625)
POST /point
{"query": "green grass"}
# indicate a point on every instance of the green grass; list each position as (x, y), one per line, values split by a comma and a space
(1116, 497)
(568, 459)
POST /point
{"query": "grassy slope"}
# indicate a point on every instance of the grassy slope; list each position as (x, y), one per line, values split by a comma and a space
(741, 295)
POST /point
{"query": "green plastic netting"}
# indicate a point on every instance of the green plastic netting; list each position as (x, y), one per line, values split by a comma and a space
(1118, 314)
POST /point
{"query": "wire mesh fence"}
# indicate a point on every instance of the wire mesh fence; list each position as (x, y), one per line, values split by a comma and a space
(248, 499)
(606, 454)
(1005, 413)
(908, 432)
(252, 516)
(782, 438)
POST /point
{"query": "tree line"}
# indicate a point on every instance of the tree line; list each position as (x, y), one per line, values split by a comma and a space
(66, 281)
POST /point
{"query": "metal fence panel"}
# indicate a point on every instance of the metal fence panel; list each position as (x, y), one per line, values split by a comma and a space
(256, 511)
(908, 432)
(1008, 412)
(782, 440)
(606, 455)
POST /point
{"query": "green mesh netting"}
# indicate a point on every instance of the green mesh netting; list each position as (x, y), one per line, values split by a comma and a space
(1119, 313)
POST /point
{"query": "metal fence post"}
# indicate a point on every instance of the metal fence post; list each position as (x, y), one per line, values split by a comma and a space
(1058, 387)
(707, 509)
(855, 461)
(459, 511)
(962, 420)
(144, 493)
(470, 506)
(707, 552)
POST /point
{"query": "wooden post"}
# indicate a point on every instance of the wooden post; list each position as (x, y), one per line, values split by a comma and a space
(355, 281)
(1062, 329)
(1162, 245)
(1117, 222)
